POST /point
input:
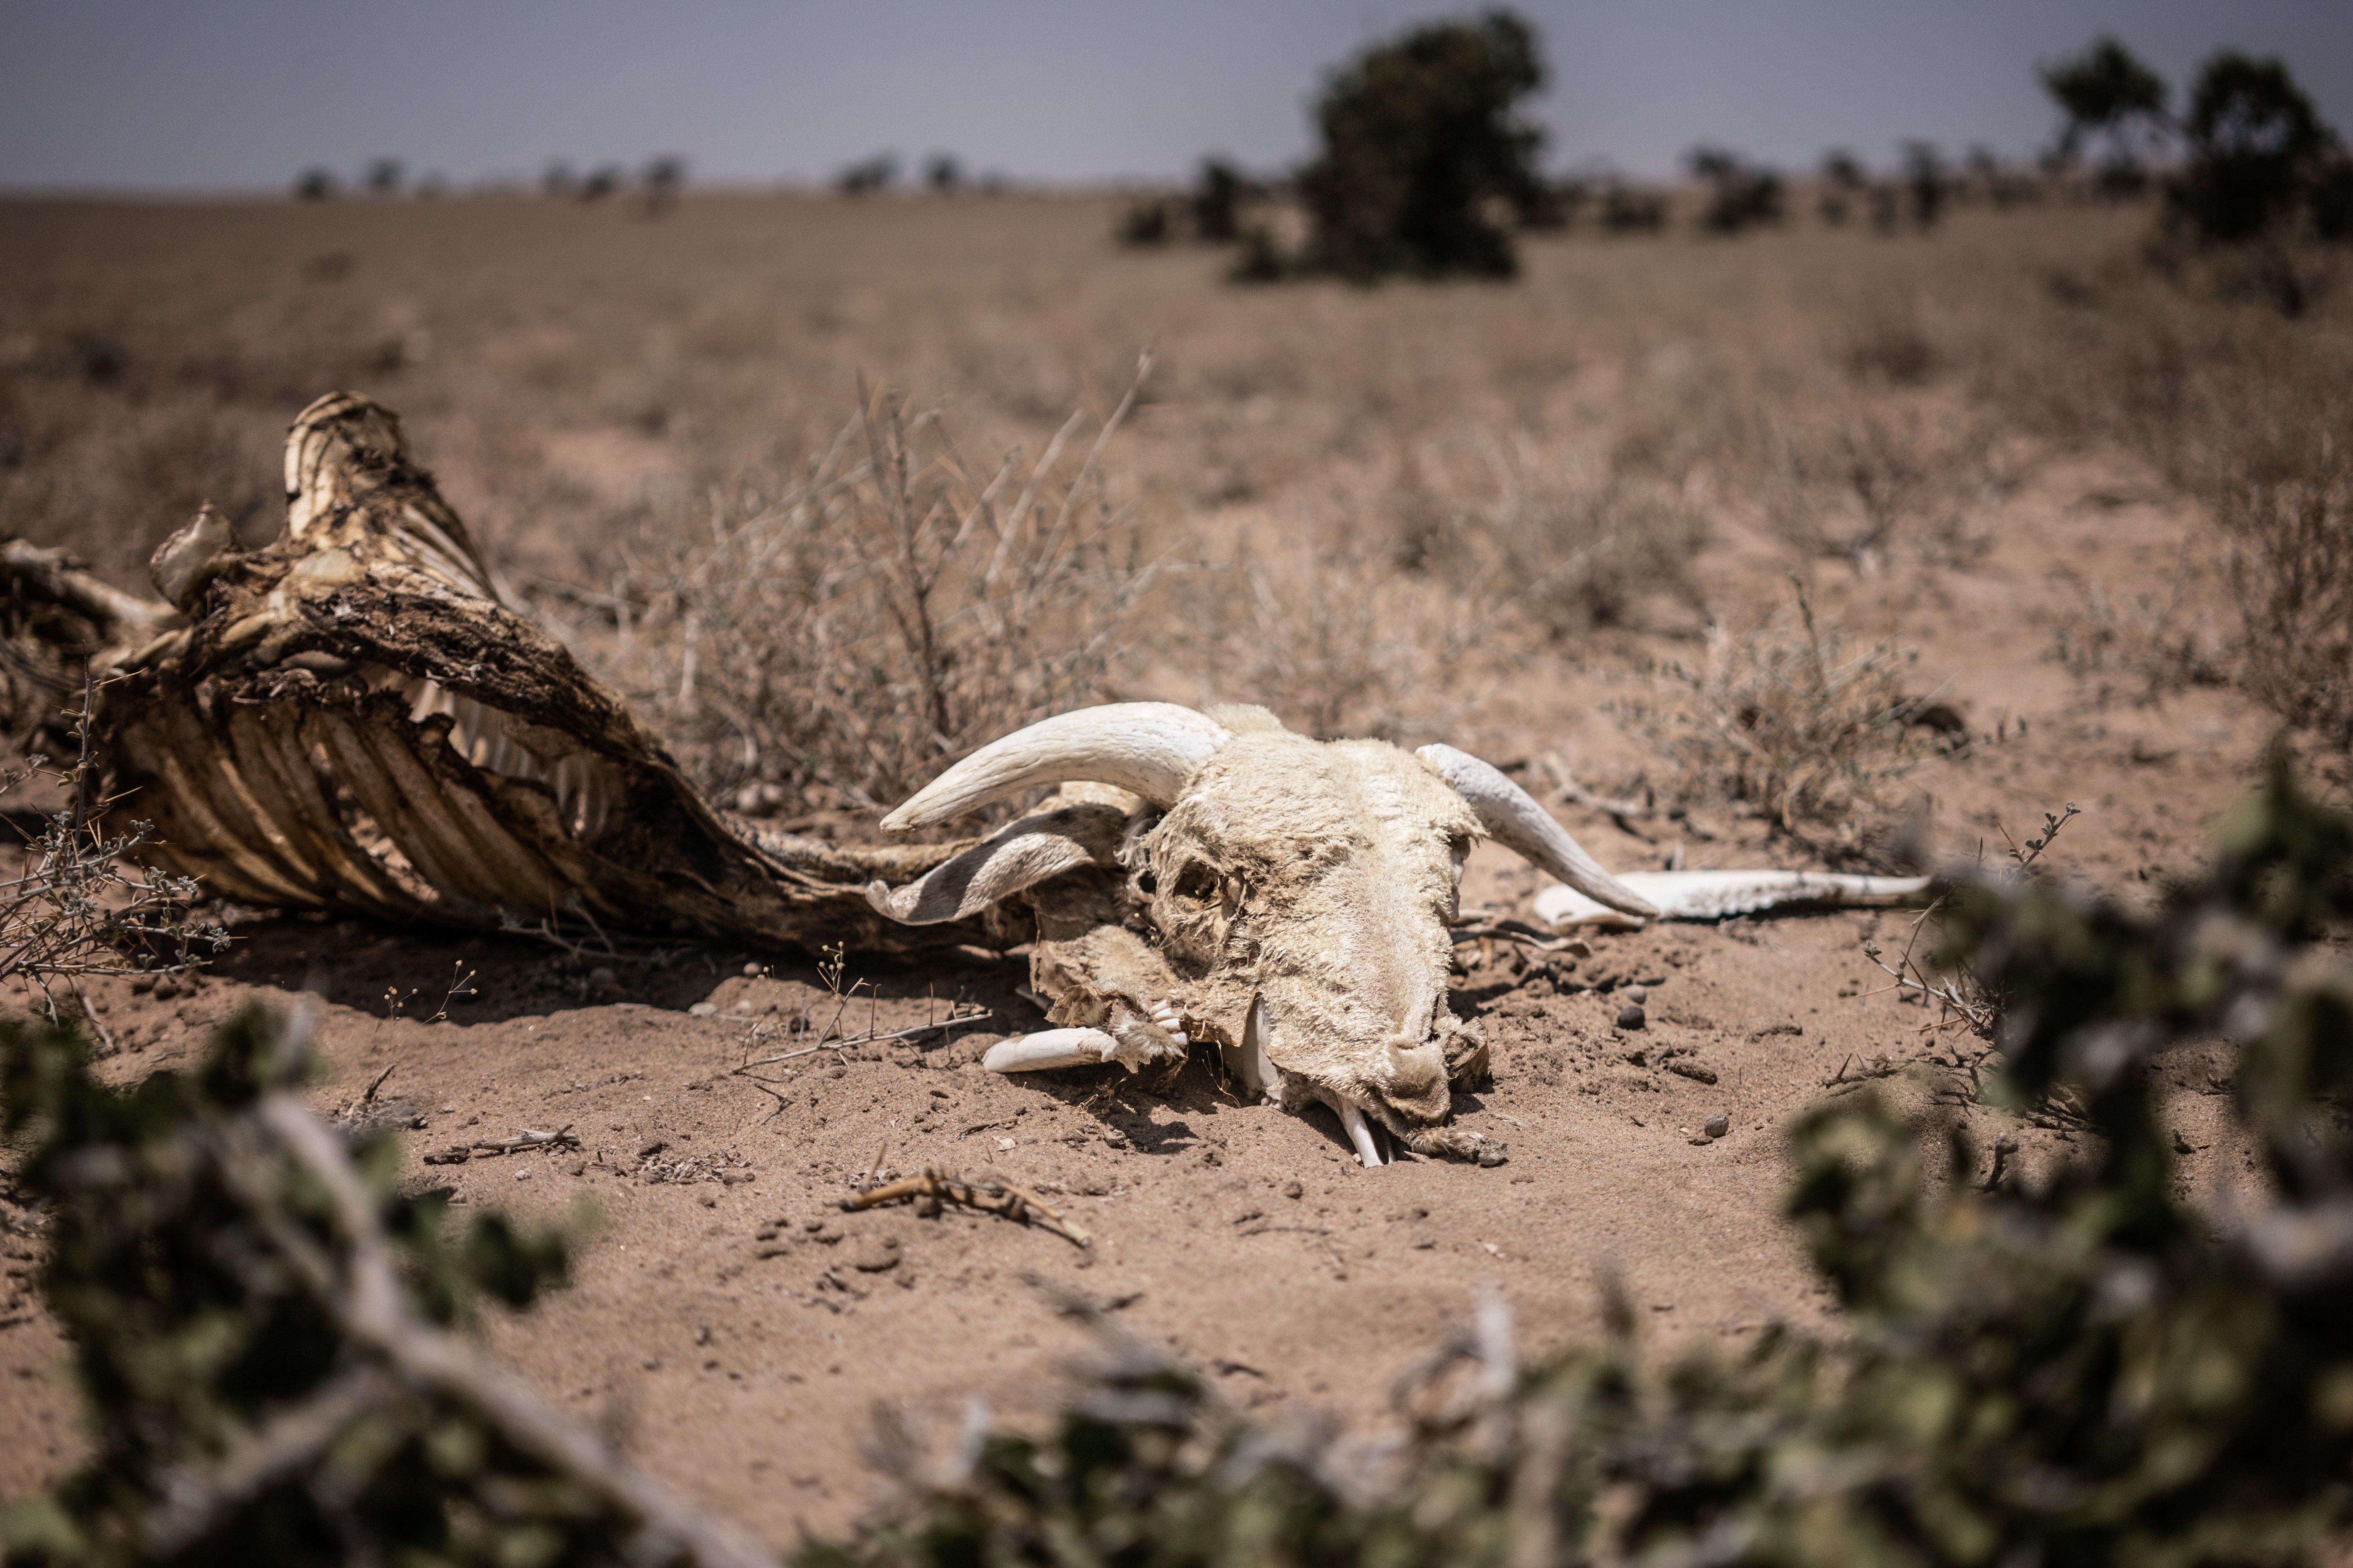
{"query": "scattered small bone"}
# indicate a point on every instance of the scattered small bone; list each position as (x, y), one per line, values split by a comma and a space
(933, 1187)
(1716, 1126)
(1630, 1016)
(1638, 993)
(561, 1138)
(1685, 1067)
(703, 1010)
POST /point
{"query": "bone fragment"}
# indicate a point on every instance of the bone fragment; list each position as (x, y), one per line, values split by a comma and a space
(186, 561)
(1718, 895)
(1514, 819)
(1017, 855)
(1148, 748)
(1052, 1048)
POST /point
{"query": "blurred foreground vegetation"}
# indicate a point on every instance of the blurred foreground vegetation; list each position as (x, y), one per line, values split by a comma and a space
(2080, 1369)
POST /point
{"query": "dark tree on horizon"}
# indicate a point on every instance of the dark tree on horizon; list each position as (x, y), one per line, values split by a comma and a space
(1422, 138)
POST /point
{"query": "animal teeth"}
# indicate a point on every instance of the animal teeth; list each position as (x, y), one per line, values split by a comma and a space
(1360, 1134)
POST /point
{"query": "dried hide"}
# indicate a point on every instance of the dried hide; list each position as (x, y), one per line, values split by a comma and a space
(353, 718)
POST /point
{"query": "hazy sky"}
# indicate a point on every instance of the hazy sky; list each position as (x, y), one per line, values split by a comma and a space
(220, 94)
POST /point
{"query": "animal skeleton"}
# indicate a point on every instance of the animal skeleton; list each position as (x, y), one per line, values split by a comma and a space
(355, 719)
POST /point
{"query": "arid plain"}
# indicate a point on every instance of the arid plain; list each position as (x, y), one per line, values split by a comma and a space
(1565, 522)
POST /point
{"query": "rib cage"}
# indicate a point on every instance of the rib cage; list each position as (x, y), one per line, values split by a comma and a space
(354, 720)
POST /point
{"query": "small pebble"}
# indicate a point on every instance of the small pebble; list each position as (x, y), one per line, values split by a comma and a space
(600, 977)
(1637, 994)
(1716, 1126)
(522, 1175)
(709, 1202)
(1629, 1016)
(753, 971)
(1291, 1189)
(703, 1010)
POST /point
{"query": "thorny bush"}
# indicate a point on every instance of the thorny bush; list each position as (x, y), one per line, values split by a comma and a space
(2073, 1370)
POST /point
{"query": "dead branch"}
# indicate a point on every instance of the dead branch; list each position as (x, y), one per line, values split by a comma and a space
(368, 1302)
(913, 1031)
(928, 1191)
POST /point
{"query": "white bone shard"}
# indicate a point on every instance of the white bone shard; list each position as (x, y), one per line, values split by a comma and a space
(1719, 895)
(1368, 1152)
(1051, 1048)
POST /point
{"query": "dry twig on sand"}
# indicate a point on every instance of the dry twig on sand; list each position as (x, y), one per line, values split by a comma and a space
(934, 1188)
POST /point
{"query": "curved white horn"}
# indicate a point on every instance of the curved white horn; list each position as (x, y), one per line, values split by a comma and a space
(1514, 819)
(1150, 748)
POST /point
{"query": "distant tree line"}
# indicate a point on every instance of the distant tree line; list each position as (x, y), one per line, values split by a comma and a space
(1428, 167)
(658, 182)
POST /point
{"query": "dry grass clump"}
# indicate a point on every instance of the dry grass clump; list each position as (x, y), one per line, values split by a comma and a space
(2158, 646)
(2290, 570)
(1546, 533)
(1334, 639)
(845, 634)
(1794, 723)
(75, 903)
(1885, 475)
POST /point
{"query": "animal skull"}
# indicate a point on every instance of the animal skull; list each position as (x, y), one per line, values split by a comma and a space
(1286, 900)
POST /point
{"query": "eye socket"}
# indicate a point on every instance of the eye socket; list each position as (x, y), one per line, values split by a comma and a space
(1146, 883)
(1197, 882)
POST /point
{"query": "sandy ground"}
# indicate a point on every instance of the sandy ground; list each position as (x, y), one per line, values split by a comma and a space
(738, 1331)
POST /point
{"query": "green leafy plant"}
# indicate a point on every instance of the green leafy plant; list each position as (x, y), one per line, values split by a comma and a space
(265, 1332)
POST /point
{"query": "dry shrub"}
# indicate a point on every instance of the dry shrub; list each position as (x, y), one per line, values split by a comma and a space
(1336, 640)
(2159, 645)
(2290, 570)
(1793, 721)
(847, 634)
(1854, 489)
(1568, 542)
